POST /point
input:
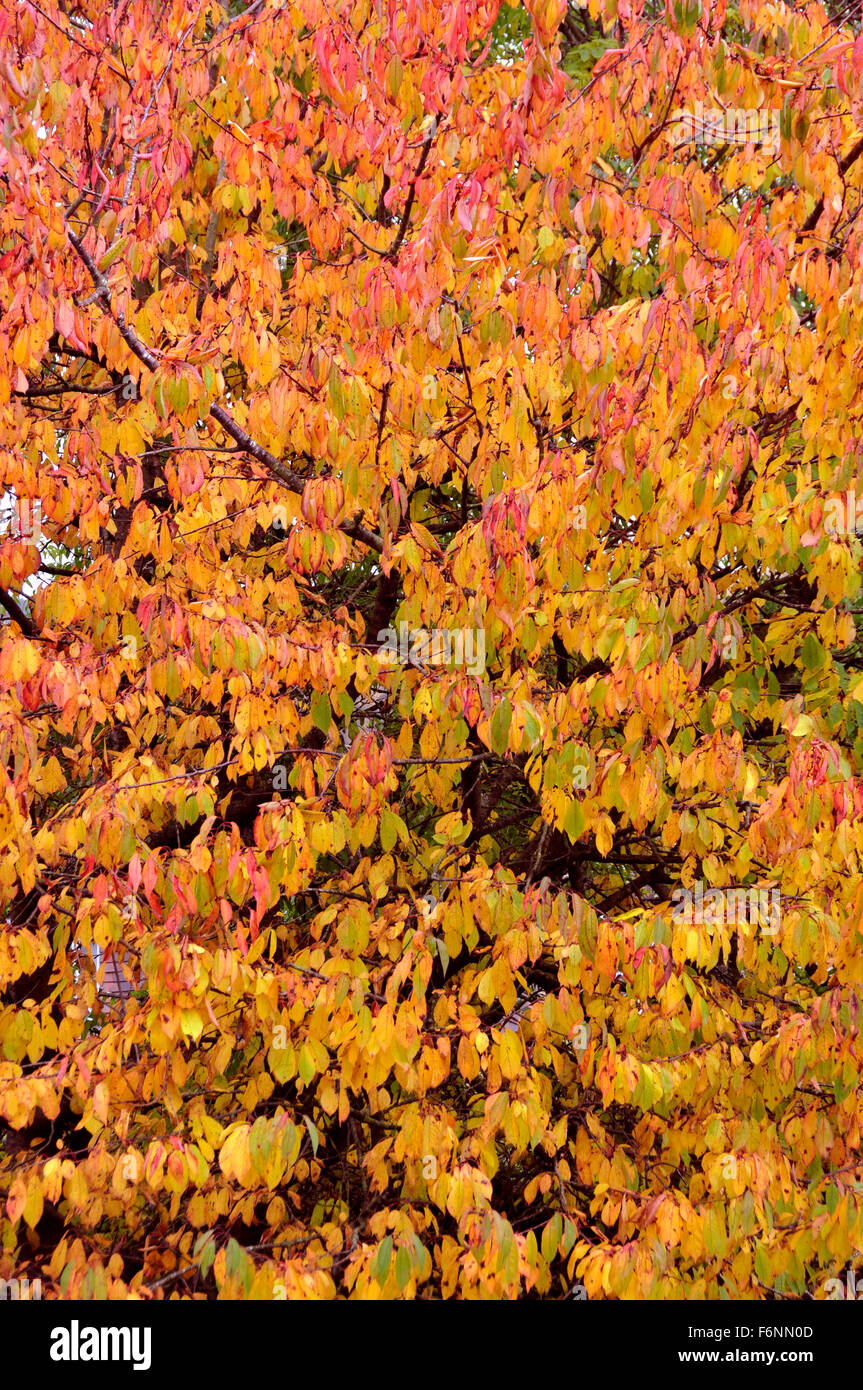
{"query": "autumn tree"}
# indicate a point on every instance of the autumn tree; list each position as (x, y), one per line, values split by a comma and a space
(431, 725)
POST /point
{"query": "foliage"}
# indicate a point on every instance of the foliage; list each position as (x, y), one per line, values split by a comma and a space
(327, 974)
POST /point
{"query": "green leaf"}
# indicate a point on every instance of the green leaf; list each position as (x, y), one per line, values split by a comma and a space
(322, 714)
(532, 730)
(762, 1264)
(113, 253)
(403, 1267)
(336, 393)
(173, 684)
(235, 1259)
(645, 491)
(551, 1237)
(381, 1263)
(394, 75)
(388, 830)
(500, 722)
(306, 1065)
(205, 1252)
(574, 821)
(812, 653)
(570, 1235)
(313, 1134)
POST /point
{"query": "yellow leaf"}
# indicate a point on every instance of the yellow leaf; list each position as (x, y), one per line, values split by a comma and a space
(234, 1159)
(510, 1054)
(17, 1200)
(604, 835)
(191, 1024)
(101, 1101)
(34, 1204)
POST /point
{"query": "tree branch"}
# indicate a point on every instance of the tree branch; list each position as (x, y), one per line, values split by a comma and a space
(844, 165)
(403, 226)
(27, 626)
(295, 481)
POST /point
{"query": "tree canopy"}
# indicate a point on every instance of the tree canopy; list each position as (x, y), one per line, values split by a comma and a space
(431, 695)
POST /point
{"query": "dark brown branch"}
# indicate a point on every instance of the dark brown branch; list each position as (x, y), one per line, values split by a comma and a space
(295, 481)
(210, 248)
(657, 129)
(403, 226)
(382, 419)
(16, 612)
(385, 598)
(844, 165)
